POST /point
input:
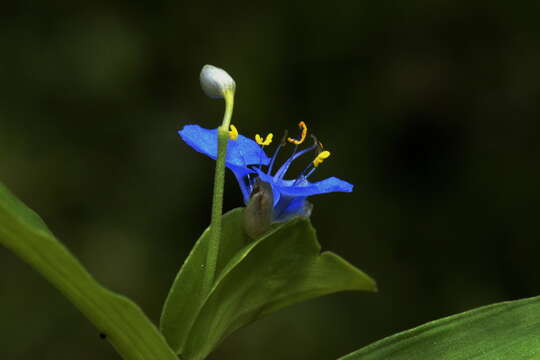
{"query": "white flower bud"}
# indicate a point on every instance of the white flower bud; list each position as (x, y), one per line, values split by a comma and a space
(215, 81)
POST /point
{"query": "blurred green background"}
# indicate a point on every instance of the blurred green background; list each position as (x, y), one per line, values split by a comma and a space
(429, 107)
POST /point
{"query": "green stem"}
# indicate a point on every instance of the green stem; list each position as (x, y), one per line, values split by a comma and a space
(229, 104)
(217, 202)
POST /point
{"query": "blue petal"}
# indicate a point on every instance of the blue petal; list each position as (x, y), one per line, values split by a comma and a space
(240, 152)
(290, 206)
(305, 188)
(241, 175)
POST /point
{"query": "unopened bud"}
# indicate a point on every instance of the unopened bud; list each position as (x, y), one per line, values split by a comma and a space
(258, 212)
(215, 82)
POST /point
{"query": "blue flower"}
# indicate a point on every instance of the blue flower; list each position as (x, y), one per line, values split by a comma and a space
(247, 159)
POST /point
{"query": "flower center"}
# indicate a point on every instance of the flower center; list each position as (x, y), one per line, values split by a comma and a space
(310, 168)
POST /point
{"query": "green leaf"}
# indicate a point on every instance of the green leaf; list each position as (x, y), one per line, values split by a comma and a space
(508, 330)
(253, 279)
(123, 322)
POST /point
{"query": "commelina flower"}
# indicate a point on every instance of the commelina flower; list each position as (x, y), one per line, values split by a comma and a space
(249, 163)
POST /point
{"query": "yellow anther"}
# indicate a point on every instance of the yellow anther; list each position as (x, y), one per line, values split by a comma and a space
(266, 141)
(233, 133)
(303, 134)
(321, 157)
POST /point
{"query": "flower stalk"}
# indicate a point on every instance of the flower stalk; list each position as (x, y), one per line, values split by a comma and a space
(226, 88)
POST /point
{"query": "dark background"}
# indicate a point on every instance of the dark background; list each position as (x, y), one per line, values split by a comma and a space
(429, 107)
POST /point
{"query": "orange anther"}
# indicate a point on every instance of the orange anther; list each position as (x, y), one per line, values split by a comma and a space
(303, 134)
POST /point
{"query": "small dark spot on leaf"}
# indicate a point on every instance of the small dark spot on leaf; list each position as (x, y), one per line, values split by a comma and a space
(102, 336)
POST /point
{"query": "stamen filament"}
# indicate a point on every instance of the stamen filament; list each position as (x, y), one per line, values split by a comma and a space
(276, 152)
(310, 166)
(273, 159)
(283, 169)
(310, 172)
(306, 170)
